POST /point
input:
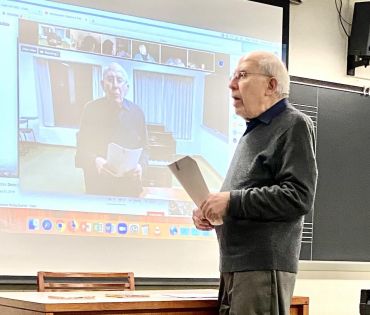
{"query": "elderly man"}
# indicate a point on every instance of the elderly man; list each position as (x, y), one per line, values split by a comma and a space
(270, 186)
(111, 119)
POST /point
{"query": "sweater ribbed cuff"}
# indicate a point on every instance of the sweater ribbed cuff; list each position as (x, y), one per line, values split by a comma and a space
(234, 204)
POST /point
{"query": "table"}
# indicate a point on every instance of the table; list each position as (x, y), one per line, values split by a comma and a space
(156, 302)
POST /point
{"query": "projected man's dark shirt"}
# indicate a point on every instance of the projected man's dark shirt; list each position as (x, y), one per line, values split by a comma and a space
(104, 122)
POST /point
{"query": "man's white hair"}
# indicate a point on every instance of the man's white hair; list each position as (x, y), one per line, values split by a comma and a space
(271, 65)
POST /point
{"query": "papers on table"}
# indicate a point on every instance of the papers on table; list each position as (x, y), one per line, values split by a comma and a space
(126, 295)
(121, 160)
(193, 295)
(71, 297)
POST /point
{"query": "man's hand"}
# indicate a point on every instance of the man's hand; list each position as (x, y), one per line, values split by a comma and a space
(99, 163)
(136, 172)
(214, 207)
(200, 222)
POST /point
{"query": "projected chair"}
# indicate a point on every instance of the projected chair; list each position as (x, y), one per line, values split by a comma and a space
(26, 132)
(85, 281)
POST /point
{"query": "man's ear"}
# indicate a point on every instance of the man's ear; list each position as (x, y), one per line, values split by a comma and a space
(272, 86)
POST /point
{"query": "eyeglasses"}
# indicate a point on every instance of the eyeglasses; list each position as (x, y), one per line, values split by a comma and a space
(240, 75)
(115, 79)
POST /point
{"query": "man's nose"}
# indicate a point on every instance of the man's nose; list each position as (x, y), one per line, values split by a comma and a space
(233, 84)
(114, 82)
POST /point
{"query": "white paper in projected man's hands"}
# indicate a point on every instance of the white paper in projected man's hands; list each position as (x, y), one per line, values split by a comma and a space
(121, 160)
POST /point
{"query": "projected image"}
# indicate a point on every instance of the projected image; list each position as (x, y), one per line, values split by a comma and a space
(109, 126)
(86, 41)
(116, 46)
(100, 111)
(145, 51)
(201, 60)
(161, 118)
(112, 140)
(173, 56)
(108, 46)
(123, 47)
(54, 36)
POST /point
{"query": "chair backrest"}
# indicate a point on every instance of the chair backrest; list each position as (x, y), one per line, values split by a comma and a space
(85, 281)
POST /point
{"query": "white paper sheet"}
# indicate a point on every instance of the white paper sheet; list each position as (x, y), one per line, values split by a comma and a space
(187, 171)
(193, 295)
(121, 160)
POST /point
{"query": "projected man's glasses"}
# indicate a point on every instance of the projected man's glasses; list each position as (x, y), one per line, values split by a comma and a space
(115, 79)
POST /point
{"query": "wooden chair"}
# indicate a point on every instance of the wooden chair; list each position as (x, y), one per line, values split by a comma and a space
(85, 281)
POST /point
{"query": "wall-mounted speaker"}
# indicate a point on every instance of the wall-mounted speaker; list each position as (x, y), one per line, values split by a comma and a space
(359, 40)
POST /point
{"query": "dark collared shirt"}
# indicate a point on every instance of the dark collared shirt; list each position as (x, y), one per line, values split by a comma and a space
(267, 116)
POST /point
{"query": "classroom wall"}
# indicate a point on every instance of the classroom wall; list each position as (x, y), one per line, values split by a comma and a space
(318, 45)
(318, 50)
(333, 287)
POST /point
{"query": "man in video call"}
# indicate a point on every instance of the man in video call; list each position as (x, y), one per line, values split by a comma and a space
(107, 120)
(144, 54)
(269, 187)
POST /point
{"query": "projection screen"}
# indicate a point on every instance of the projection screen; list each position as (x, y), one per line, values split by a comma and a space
(178, 57)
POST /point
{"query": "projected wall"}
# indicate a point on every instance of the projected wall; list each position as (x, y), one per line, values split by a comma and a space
(52, 66)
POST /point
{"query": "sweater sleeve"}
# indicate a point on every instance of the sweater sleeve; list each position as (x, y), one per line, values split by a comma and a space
(294, 174)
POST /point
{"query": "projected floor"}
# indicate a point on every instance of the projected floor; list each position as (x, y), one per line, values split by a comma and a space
(46, 168)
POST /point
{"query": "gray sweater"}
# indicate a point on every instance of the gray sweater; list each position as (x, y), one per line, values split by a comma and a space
(272, 180)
